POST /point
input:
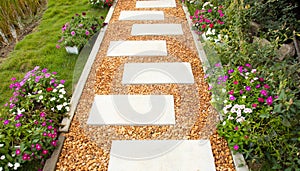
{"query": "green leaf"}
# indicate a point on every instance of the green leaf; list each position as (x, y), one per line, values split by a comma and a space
(285, 122)
(264, 115)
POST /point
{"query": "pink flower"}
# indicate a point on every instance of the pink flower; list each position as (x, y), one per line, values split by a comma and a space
(6, 122)
(254, 105)
(54, 143)
(236, 128)
(209, 10)
(264, 92)
(87, 32)
(260, 99)
(241, 91)
(49, 127)
(203, 26)
(236, 147)
(269, 100)
(62, 81)
(42, 114)
(248, 88)
(231, 97)
(38, 147)
(231, 92)
(18, 151)
(257, 86)
(73, 33)
(235, 82)
(13, 79)
(211, 25)
(261, 79)
(18, 124)
(266, 86)
(44, 133)
(248, 65)
(57, 46)
(45, 152)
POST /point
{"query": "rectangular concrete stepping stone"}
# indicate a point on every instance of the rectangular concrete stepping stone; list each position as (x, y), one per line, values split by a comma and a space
(132, 110)
(156, 29)
(161, 155)
(138, 48)
(156, 4)
(142, 15)
(158, 73)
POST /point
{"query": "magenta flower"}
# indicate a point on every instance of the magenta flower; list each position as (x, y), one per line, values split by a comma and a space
(36, 122)
(44, 124)
(49, 127)
(254, 105)
(62, 81)
(54, 73)
(18, 151)
(231, 92)
(13, 79)
(47, 75)
(44, 134)
(248, 88)
(42, 114)
(266, 86)
(240, 68)
(248, 65)
(236, 128)
(38, 147)
(6, 122)
(257, 86)
(87, 32)
(235, 82)
(18, 124)
(260, 99)
(264, 92)
(44, 70)
(236, 147)
(45, 152)
(269, 100)
(49, 135)
(73, 33)
(231, 97)
(230, 71)
(209, 10)
(54, 143)
(241, 91)
(261, 79)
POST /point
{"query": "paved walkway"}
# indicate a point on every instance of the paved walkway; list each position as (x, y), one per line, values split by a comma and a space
(145, 104)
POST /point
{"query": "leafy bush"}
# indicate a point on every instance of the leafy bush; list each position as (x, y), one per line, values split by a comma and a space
(78, 31)
(29, 124)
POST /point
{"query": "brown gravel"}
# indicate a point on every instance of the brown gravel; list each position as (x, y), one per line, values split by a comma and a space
(87, 147)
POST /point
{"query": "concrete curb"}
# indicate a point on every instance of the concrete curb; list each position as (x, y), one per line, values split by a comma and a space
(66, 122)
(238, 158)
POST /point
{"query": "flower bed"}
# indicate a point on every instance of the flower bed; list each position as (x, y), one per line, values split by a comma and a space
(29, 123)
(258, 102)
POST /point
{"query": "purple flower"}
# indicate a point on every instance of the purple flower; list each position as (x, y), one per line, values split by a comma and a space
(240, 68)
(49, 127)
(236, 128)
(266, 86)
(264, 92)
(230, 71)
(44, 133)
(44, 124)
(241, 91)
(73, 33)
(13, 79)
(42, 114)
(269, 100)
(248, 65)
(6, 122)
(257, 86)
(12, 105)
(44, 70)
(248, 88)
(231, 97)
(47, 75)
(52, 81)
(62, 81)
(18, 124)
(236, 147)
(217, 64)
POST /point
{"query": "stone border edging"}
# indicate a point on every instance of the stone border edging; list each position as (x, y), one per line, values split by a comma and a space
(50, 164)
(66, 122)
(238, 158)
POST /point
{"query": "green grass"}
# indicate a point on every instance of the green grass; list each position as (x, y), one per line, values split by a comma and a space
(38, 48)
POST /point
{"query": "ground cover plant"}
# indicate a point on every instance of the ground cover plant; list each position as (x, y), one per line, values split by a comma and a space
(255, 90)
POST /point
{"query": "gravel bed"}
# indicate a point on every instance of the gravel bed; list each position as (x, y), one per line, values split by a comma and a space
(87, 147)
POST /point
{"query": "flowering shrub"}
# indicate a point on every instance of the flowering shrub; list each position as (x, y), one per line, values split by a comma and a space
(28, 126)
(101, 3)
(208, 20)
(78, 31)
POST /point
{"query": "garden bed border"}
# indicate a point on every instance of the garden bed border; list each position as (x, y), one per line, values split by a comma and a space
(238, 158)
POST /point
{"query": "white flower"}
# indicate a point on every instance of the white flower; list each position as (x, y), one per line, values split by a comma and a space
(223, 90)
(243, 97)
(67, 108)
(230, 117)
(52, 99)
(41, 97)
(225, 110)
(1, 145)
(255, 78)
(17, 164)
(54, 90)
(224, 123)
(2, 157)
(60, 85)
(225, 101)
(246, 77)
(61, 96)
(13, 154)
(52, 109)
(247, 73)
(240, 119)
(59, 107)
(253, 71)
(247, 110)
(28, 94)
(9, 164)
(1, 168)
(62, 91)
(39, 92)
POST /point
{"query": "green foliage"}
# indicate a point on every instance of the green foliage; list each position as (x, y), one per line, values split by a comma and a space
(101, 3)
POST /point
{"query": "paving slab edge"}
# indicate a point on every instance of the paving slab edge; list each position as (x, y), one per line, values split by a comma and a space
(238, 158)
(66, 122)
(50, 164)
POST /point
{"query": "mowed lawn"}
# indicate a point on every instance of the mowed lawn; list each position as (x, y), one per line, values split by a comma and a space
(38, 48)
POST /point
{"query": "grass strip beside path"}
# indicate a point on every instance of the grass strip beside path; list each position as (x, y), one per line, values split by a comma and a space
(38, 48)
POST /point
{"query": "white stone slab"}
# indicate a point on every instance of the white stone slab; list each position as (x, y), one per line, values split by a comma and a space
(156, 29)
(138, 48)
(142, 15)
(161, 155)
(156, 4)
(158, 73)
(132, 110)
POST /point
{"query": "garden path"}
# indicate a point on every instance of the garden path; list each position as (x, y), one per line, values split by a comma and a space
(145, 104)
